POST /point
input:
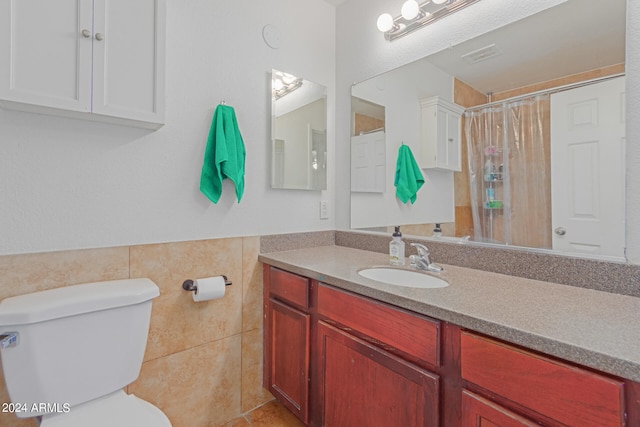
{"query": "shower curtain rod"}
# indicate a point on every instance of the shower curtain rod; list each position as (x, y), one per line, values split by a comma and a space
(546, 91)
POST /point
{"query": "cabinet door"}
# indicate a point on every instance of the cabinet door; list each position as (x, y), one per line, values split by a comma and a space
(480, 412)
(288, 347)
(128, 69)
(44, 58)
(362, 385)
(452, 139)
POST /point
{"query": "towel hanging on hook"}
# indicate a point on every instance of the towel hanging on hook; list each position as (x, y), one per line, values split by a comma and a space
(224, 156)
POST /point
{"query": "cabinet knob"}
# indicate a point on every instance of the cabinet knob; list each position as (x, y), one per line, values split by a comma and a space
(99, 37)
(86, 34)
(560, 231)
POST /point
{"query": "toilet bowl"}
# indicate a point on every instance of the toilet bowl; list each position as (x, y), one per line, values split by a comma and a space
(117, 409)
(67, 353)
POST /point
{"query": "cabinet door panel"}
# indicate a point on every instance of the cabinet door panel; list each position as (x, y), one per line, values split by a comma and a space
(568, 394)
(45, 59)
(128, 61)
(412, 334)
(480, 412)
(366, 386)
(289, 359)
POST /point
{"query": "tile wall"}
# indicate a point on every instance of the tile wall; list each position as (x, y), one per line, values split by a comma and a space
(203, 363)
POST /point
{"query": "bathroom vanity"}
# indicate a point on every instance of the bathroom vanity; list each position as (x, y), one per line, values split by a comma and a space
(488, 350)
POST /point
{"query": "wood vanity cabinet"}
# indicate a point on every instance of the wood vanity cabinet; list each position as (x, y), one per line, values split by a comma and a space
(337, 359)
(544, 390)
(368, 354)
(287, 337)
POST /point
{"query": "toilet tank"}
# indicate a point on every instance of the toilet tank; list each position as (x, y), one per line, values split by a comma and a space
(75, 343)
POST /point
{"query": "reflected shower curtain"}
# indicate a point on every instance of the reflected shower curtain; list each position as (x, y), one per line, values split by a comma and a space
(509, 172)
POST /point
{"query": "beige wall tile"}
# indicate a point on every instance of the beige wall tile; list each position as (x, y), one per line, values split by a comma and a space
(252, 284)
(23, 274)
(199, 387)
(10, 420)
(183, 335)
(26, 273)
(177, 323)
(253, 394)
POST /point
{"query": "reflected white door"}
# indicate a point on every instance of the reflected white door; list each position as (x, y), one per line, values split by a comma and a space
(587, 169)
(368, 162)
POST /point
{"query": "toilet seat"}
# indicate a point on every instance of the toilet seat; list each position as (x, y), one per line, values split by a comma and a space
(117, 409)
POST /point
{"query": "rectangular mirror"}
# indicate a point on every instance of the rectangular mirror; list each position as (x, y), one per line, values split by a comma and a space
(552, 54)
(299, 133)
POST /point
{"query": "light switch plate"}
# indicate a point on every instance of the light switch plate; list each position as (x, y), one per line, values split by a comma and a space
(324, 209)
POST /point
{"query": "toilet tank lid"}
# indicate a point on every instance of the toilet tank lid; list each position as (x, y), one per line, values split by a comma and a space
(76, 299)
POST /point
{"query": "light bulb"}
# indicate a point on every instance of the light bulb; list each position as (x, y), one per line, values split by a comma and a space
(385, 22)
(410, 9)
(438, 1)
(288, 78)
(277, 84)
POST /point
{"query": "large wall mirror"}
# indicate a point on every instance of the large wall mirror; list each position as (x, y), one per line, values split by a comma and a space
(299, 133)
(542, 135)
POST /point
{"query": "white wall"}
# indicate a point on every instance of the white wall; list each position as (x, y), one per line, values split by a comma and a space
(362, 52)
(69, 184)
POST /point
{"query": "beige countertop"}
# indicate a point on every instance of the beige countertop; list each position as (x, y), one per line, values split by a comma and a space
(592, 328)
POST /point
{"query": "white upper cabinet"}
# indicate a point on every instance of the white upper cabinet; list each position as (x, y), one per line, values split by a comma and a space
(440, 134)
(94, 59)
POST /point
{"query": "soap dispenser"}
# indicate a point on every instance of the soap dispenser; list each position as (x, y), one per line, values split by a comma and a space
(396, 249)
(437, 232)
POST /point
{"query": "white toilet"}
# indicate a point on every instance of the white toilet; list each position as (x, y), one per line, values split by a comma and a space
(68, 352)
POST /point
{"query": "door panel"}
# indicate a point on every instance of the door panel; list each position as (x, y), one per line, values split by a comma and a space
(587, 169)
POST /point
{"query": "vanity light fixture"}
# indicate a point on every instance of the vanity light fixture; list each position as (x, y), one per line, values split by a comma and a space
(414, 16)
(284, 83)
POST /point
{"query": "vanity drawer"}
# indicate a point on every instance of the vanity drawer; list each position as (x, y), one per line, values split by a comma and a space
(289, 287)
(568, 394)
(410, 333)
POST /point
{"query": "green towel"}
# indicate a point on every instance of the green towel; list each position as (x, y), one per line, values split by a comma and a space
(408, 176)
(224, 156)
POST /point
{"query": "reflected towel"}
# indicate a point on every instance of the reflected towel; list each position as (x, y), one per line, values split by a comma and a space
(224, 156)
(408, 179)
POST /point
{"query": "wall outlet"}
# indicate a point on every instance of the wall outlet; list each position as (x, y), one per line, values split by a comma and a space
(324, 209)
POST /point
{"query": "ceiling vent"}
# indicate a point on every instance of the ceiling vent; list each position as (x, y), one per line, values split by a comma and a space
(481, 54)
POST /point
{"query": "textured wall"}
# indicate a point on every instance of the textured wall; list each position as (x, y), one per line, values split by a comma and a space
(71, 184)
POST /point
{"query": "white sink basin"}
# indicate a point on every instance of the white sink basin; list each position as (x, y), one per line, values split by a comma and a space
(401, 277)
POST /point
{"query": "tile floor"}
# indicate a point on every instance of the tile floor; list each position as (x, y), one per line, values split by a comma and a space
(271, 414)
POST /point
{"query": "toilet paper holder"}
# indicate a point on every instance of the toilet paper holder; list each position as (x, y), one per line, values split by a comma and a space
(189, 285)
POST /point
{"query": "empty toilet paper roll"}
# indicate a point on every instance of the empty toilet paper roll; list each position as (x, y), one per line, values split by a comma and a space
(209, 288)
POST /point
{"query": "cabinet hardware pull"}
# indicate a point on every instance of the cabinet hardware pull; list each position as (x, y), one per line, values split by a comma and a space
(86, 34)
(99, 37)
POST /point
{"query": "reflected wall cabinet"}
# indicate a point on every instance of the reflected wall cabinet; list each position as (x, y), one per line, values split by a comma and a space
(440, 134)
(92, 59)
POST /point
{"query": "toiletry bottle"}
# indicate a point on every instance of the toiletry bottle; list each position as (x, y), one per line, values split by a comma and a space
(437, 232)
(396, 249)
(488, 170)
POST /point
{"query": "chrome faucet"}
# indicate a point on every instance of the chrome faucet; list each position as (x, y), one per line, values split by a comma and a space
(423, 259)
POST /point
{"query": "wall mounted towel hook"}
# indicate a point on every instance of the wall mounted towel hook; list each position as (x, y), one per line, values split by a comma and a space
(189, 285)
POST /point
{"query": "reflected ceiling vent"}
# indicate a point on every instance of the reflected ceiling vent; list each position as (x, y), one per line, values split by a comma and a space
(482, 54)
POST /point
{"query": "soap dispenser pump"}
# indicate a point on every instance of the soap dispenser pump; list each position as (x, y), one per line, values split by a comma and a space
(396, 249)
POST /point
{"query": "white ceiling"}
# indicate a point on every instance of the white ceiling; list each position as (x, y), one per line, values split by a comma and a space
(335, 2)
(575, 36)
